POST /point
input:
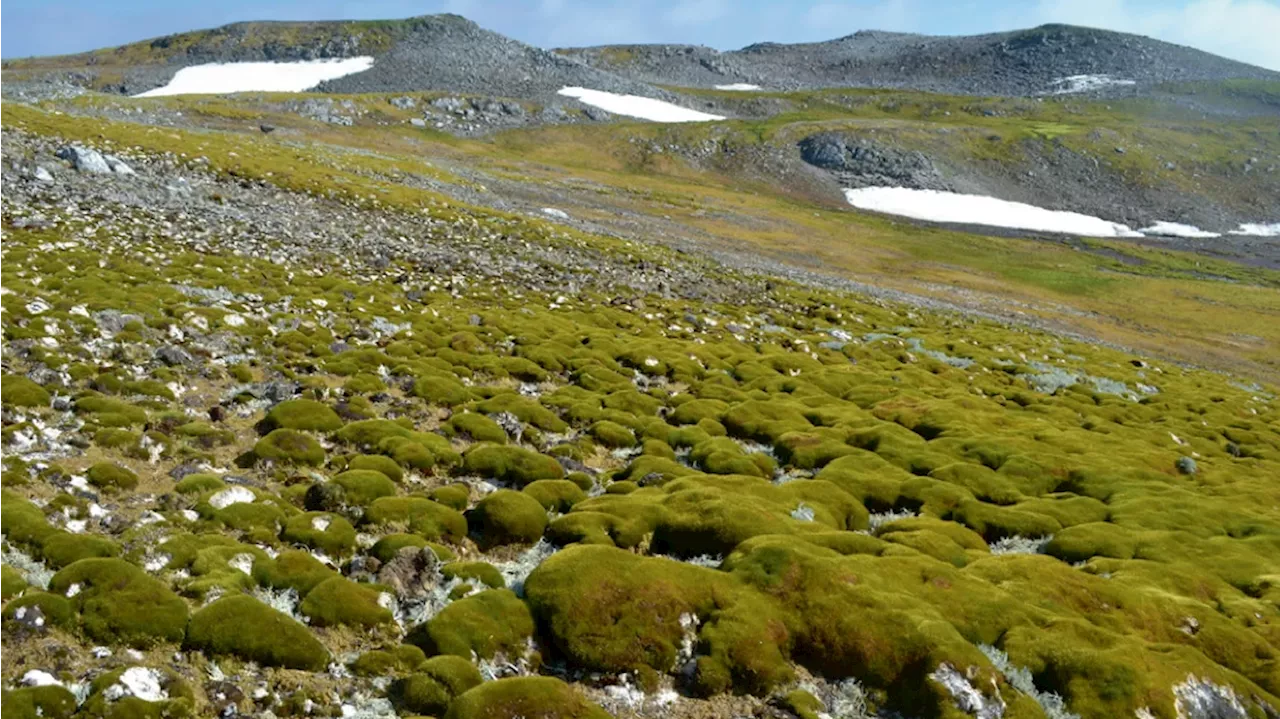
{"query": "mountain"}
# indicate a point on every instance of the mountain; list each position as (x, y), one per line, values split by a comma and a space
(451, 53)
(1024, 62)
(433, 52)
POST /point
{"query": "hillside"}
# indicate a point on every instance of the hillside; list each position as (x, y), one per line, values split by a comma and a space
(1030, 62)
(432, 52)
(478, 402)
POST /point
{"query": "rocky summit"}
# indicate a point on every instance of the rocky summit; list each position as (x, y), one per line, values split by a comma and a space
(400, 369)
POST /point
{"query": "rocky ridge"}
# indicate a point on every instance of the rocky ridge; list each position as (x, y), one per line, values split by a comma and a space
(1021, 63)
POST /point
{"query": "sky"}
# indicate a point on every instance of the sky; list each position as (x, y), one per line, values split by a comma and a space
(1240, 29)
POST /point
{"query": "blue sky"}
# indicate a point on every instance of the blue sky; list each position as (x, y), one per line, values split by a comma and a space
(1242, 29)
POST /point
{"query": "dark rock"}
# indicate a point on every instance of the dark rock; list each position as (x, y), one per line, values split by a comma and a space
(412, 573)
(174, 356)
(85, 159)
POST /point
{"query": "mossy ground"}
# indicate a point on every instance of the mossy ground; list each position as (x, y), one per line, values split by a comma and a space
(742, 496)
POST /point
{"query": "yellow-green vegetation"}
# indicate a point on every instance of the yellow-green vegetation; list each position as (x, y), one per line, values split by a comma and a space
(724, 490)
(22, 392)
(491, 622)
(528, 697)
(118, 603)
(50, 701)
(246, 628)
(508, 517)
(435, 684)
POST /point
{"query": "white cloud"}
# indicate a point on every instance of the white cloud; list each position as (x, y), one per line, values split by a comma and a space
(1244, 30)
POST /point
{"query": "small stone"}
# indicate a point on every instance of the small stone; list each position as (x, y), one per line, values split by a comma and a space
(43, 175)
(118, 166)
(1186, 465)
(174, 356)
(267, 129)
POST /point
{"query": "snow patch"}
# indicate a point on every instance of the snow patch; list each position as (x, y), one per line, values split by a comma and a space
(140, 682)
(938, 206)
(230, 496)
(739, 87)
(37, 678)
(1175, 229)
(553, 212)
(218, 77)
(1086, 83)
(635, 106)
(1259, 230)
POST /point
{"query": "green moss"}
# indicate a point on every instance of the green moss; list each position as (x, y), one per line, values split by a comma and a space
(49, 702)
(696, 410)
(478, 427)
(371, 432)
(292, 569)
(289, 446)
(516, 465)
(199, 484)
(420, 515)
(56, 609)
(341, 601)
(608, 610)
(524, 697)
(118, 603)
(361, 487)
(250, 630)
(302, 414)
(487, 623)
(386, 548)
(441, 390)
(525, 409)
(803, 704)
(63, 548)
(111, 412)
(11, 582)
(377, 463)
(106, 475)
(116, 438)
(482, 572)
(455, 496)
(612, 434)
(508, 517)
(438, 681)
(18, 391)
(329, 533)
(402, 659)
(555, 495)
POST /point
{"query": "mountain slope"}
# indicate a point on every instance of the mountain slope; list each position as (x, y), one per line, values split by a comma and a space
(1024, 62)
(432, 52)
